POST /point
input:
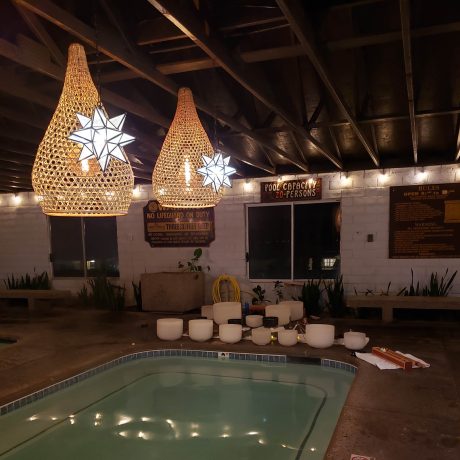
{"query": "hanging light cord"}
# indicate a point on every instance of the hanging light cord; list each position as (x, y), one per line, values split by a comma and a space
(98, 56)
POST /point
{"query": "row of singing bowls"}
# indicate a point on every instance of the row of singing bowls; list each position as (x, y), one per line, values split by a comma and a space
(286, 311)
(200, 330)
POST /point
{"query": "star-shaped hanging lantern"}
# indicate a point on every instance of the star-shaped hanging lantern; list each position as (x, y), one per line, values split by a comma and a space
(216, 171)
(101, 137)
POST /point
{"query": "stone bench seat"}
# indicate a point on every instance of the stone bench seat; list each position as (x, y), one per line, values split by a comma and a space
(34, 295)
(388, 303)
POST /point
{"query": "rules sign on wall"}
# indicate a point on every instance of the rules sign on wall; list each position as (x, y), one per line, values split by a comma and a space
(178, 227)
(290, 190)
(425, 221)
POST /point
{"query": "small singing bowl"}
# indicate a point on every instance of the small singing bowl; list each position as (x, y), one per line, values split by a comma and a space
(230, 333)
(261, 336)
(254, 320)
(270, 321)
(200, 330)
(287, 337)
(235, 321)
(170, 328)
(355, 340)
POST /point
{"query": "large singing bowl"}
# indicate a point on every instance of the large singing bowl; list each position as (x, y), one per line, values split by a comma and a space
(319, 335)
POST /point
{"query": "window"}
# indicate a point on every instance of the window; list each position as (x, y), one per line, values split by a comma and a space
(293, 241)
(83, 247)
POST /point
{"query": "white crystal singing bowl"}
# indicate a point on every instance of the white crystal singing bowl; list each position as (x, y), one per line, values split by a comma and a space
(170, 328)
(355, 340)
(223, 311)
(319, 335)
(283, 313)
(261, 336)
(207, 311)
(287, 337)
(230, 333)
(254, 320)
(200, 330)
(295, 307)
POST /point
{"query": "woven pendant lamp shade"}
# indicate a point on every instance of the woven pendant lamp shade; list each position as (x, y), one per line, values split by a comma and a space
(64, 185)
(175, 180)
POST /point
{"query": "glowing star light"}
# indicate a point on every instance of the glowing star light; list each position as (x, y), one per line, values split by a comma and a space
(101, 137)
(216, 171)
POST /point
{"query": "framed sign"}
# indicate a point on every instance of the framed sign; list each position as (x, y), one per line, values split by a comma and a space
(290, 190)
(178, 227)
(425, 221)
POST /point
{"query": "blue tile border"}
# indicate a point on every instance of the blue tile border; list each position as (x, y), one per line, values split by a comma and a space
(266, 358)
(339, 365)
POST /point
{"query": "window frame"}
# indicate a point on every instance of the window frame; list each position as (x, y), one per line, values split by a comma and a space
(291, 204)
(83, 245)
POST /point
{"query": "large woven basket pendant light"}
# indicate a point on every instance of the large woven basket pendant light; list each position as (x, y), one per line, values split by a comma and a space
(65, 184)
(176, 182)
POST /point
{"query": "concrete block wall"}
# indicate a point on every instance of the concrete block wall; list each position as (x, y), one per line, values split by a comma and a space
(364, 197)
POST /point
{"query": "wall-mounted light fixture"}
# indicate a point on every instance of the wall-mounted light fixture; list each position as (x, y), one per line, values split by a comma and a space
(345, 179)
(383, 177)
(247, 186)
(421, 175)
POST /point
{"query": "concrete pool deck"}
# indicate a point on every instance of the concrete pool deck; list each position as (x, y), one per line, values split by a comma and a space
(390, 415)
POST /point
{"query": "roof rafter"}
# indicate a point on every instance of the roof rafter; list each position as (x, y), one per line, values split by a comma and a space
(404, 9)
(138, 62)
(191, 24)
(294, 13)
(40, 32)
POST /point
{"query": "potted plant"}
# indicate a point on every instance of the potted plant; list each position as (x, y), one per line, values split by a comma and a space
(432, 296)
(311, 297)
(336, 297)
(258, 301)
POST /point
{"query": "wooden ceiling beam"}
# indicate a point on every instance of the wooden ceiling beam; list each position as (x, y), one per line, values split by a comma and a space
(24, 55)
(404, 8)
(187, 20)
(139, 62)
(20, 135)
(294, 13)
(457, 149)
(29, 119)
(40, 32)
(234, 153)
(11, 84)
(388, 118)
(16, 158)
(389, 37)
(158, 30)
(192, 65)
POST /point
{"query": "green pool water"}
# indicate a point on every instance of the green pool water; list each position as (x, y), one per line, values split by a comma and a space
(183, 408)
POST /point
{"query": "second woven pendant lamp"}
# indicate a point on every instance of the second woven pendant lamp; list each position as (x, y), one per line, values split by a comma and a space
(66, 186)
(176, 182)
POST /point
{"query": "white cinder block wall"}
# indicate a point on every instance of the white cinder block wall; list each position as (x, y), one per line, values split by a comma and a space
(364, 197)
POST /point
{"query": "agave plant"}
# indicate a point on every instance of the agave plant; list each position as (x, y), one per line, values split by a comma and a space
(103, 294)
(439, 288)
(38, 281)
(336, 297)
(311, 297)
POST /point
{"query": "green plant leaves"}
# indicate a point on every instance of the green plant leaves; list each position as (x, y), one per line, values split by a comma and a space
(39, 281)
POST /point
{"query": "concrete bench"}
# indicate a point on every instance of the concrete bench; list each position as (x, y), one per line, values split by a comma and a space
(34, 295)
(388, 303)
